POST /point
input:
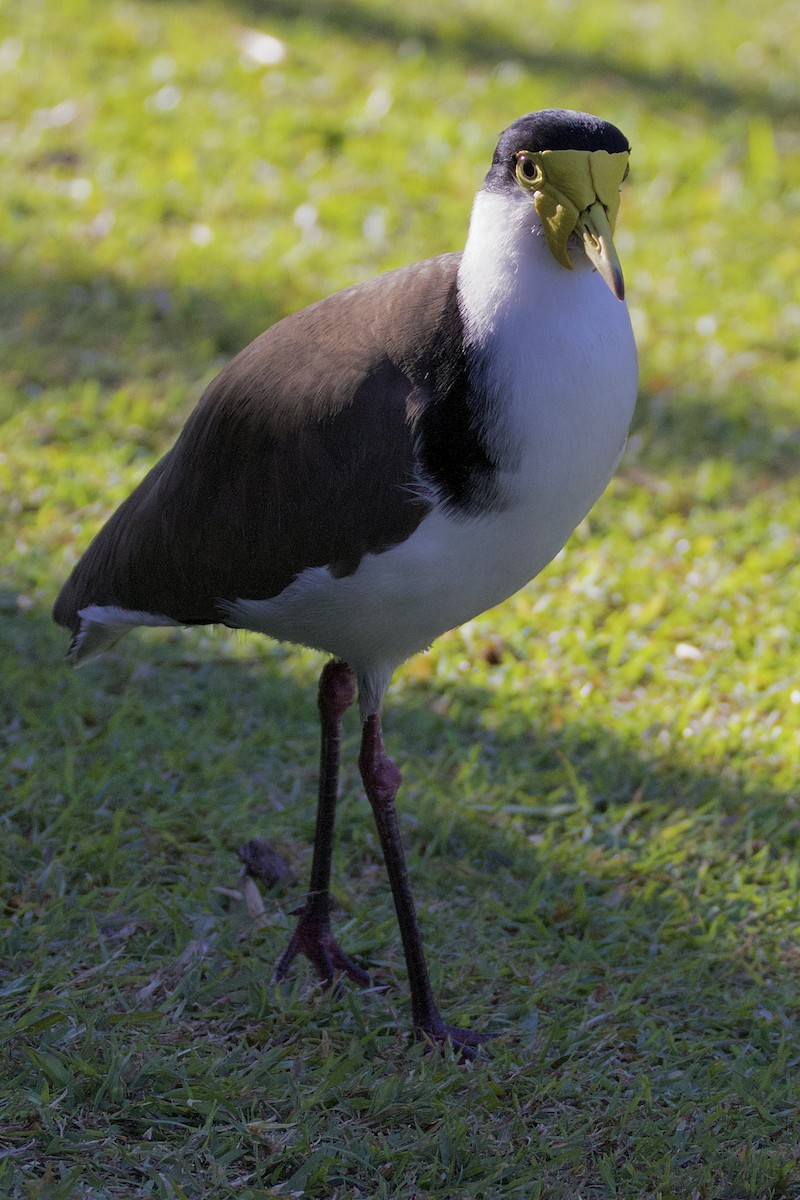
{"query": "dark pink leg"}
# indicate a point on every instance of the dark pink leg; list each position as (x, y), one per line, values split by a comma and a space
(312, 936)
(382, 781)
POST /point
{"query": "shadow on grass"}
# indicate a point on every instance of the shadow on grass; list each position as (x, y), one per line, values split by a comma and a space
(181, 753)
(71, 323)
(483, 43)
(687, 430)
(646, 1036)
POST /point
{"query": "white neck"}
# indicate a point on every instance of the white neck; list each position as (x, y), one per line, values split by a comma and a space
(553, 353)
(506, 258)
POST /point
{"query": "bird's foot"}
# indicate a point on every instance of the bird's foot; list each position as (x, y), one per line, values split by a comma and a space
(313, 938)
(437, 1034)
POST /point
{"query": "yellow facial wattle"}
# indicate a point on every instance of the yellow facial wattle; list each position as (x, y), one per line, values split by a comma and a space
(577, 191)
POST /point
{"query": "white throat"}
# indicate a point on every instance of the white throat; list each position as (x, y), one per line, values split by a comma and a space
(544, 337)
(555, 357)
(506, 259)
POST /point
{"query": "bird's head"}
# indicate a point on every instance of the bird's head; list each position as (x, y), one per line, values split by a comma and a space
(571, 165)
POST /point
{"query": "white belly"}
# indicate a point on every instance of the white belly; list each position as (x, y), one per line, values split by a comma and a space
(565, 429)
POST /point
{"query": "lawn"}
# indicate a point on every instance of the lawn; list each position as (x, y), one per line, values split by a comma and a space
(601, 799)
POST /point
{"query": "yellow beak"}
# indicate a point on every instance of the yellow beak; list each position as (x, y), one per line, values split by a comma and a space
(598, 242)
(577, 192)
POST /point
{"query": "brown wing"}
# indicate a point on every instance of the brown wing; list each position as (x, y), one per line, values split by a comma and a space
(299, 454)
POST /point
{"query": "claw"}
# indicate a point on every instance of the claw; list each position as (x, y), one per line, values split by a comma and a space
(313, 938)
(465, 1042)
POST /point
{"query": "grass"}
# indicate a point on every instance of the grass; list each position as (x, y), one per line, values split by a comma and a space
(600, 795)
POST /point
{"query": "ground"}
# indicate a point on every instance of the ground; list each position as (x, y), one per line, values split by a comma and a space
(600, 798)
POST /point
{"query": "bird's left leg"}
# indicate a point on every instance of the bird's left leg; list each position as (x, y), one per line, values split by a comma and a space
(312, 935)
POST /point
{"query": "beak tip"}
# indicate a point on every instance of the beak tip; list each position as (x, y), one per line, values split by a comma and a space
(612, 277)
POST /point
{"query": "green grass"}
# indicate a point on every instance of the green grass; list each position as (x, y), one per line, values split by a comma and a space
(600, 800)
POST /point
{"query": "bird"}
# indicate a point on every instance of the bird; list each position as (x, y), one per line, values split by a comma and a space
(388, 463)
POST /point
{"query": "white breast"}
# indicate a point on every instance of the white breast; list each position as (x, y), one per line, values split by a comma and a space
(561, 362)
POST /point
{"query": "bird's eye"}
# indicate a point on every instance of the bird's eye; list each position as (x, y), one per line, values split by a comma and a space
(627, 172)
(528, 171)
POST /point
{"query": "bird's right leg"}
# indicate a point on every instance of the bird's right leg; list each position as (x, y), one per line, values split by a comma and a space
(312, 935)
(381, 783)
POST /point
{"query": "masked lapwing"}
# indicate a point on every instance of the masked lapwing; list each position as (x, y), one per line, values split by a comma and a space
(388, 463)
